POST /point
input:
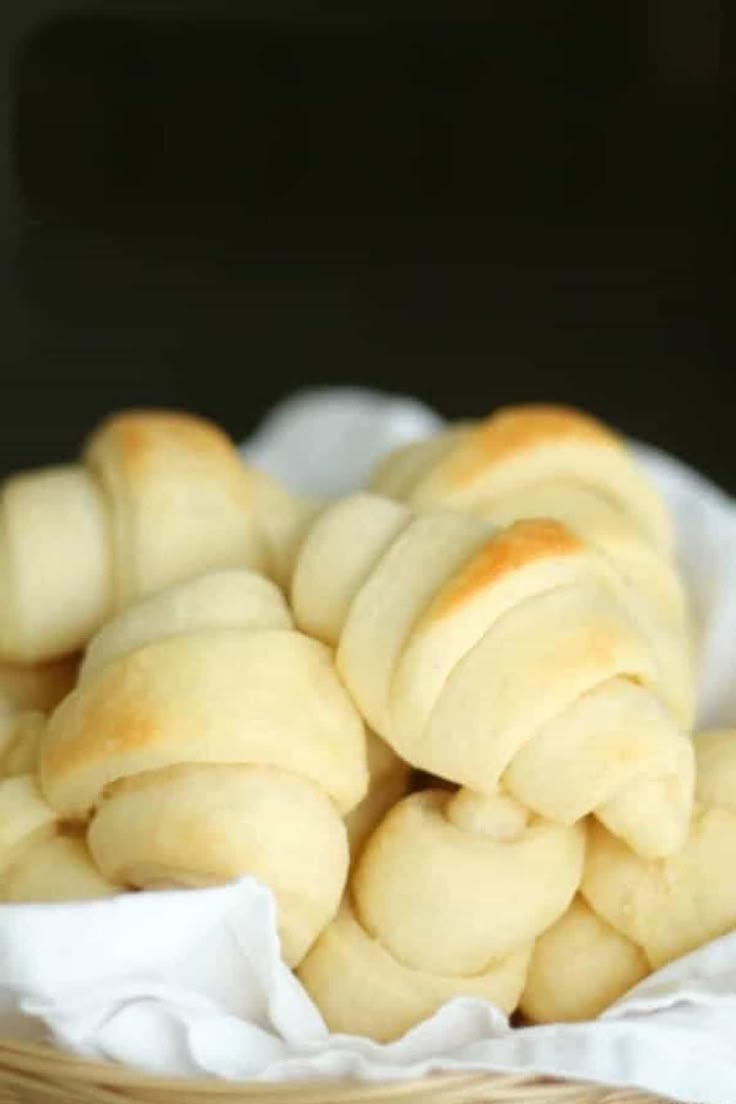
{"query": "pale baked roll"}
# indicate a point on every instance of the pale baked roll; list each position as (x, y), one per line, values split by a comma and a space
(228, 599)
(36, 687)
(389, 780)
(490, 877)
(398, 473)
(510, 657)
(611, 752)
(649, 586)
(446, 899)
(36, 862)
(555, 462)
(201, 825)
(178, 497)
(601, 522)
(587, 467)
(55, 568)
(59, 869)
(284, 519)
(157, 497)
(672, 906)
(336, 558)
(579, 967)
(634, 915)
(24, 817)
(362, 989)
(207, 740)
(215, 696)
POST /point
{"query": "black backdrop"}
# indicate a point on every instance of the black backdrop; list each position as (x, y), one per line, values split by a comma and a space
(476, 203)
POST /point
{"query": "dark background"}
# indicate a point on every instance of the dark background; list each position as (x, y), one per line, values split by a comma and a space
(472, 202)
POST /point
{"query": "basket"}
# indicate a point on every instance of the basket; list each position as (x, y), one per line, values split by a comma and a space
(32, 1074)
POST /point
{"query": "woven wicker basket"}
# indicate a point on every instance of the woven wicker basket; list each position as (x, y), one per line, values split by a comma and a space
(32, 1074)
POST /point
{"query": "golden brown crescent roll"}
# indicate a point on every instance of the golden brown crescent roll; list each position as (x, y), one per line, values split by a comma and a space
(636, 915)
(36, 686)
(156, 498)
(208, 739)
(585, 467)
(37, 862)
(488, 656)
(556, 462)
(447, 898)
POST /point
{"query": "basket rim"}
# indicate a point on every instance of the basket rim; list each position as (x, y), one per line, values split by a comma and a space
(112, 1073)
(40, 1060)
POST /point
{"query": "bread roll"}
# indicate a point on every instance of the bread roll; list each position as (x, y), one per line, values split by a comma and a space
(447, 898)
(59, 869)
(489, 876)
(360, 988)
(389, 779)
(229, 599)
(208, 739)
(556, 462)
(37, 863)
(284, 520)
(579, 967)
(490, 657)
(156, 498)
(586, 468)
(636, 915)
(674, 906)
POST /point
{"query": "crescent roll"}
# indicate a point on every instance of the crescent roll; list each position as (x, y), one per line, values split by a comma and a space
(156, 498)
(635, 915)
(208, 739)
(38, 862)
(556, 462)
(446, 899)
(492, 657)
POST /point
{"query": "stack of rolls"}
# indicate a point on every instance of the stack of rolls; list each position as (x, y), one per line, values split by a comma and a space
(634, 915)
(495, 658)
(156, 498)
(41, 859)
(446, 720)
(506, 663)
(207, 739)
(535, 461)
(555, 462)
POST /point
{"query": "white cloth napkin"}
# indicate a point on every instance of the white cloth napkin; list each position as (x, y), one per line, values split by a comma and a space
(191, 983)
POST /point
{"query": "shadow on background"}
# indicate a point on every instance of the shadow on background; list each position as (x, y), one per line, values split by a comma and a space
(475, 207)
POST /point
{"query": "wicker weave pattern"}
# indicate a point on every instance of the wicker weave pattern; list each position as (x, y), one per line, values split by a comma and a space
(39, 1075)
